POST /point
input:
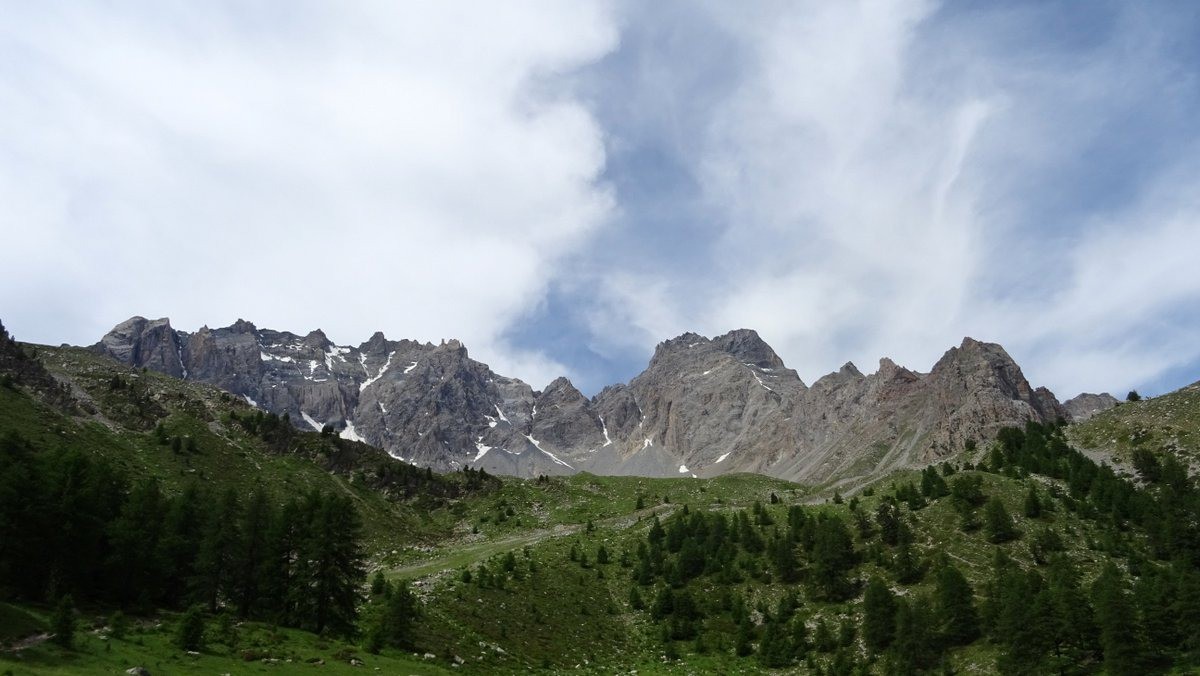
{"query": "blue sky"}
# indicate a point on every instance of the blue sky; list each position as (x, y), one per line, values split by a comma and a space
(564, 185)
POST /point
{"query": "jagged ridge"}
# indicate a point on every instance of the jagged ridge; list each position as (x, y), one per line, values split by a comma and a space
(702, 406)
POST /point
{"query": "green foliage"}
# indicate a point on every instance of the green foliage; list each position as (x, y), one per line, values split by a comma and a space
(997, 524)
(391, 618)
(954, 600)
(879, 616)
(832, 558)
(64, 623)
(1033, 502)
(189, 632)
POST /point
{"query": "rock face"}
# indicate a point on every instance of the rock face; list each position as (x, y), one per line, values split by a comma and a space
(1087, 405)
(702, 407)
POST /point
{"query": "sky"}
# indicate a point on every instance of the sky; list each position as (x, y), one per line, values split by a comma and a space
(564, 185)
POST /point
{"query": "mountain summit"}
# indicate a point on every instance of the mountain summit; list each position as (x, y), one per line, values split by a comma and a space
(702, 407)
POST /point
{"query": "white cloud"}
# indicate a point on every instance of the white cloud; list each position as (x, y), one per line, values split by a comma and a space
(413, 168)
(879, 175)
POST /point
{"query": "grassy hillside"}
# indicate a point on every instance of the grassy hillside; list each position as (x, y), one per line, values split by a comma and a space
(132, 419)
(1168, 423)
(572, 573)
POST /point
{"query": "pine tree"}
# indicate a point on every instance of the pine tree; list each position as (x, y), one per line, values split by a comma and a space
(378, 583)
(391, 617)
(220, 549)
(1033, 503)
(136, 563)
(914, 649)
(63, 623)
(997, 524)
(635, 599)
(879, 616)
(775, 650)
(955, 603)
(331, 564)
(832, 558)
(189, 633)
(1121, 634)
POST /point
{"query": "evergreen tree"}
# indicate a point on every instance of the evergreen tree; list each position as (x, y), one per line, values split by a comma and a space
(914, 649)
(775, 650)
(220, 549)
(635, 599)
(879, 616)
(997, 524)
(832, 557)
(1033, 503)
(334, 564)
(955, 603)
(189, 633)
(136, 563)
(1121, 634)
(390, 618)
(63, 623)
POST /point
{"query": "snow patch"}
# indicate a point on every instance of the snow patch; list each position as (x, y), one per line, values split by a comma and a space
(684, 470)
(537, 444)
(760, 382)
(502, 414)
(383, 370)
(607, 441)
(707, 372)
(647, 444)
(270, 357)
(410, 367)
(350, 433)
(250, 401)
(382, 408)
(309, 419)
(339, 352)
(482, 451)
(722, 458)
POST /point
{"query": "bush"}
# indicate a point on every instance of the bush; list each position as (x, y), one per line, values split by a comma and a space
(63, 622)
(189, 634)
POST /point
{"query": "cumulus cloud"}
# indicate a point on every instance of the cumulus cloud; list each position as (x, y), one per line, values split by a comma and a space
(415, 168)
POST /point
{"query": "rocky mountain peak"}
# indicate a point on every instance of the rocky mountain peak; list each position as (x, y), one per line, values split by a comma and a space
(149, 343)
(1086, 405)
(242, 326)
(685, 341)
(561, 389)
(748, 347)
(376, 342)
(317, 339)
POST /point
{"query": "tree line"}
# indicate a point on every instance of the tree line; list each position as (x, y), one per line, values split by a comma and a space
(71, 524)
(695, 574)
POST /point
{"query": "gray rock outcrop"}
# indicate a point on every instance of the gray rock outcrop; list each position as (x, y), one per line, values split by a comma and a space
(1086, 405)
(702, 407)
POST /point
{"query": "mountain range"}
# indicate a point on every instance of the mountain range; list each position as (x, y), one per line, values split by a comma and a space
(702, 407)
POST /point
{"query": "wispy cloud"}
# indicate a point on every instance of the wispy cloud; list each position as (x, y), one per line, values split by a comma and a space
(891, 176)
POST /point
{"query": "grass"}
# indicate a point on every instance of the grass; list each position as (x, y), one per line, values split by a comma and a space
(259, 648)
(1168, 423)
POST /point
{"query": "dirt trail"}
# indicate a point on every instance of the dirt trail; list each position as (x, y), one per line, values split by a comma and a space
(27, 642)
(471, 553)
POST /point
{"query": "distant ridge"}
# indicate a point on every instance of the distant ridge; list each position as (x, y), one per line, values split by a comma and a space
(702, 407)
